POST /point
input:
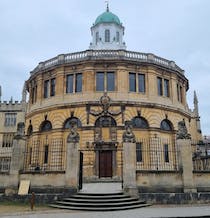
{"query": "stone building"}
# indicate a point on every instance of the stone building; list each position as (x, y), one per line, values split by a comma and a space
(110, 114)
(12, 125)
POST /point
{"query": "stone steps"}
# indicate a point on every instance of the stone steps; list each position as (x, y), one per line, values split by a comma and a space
(100, 202)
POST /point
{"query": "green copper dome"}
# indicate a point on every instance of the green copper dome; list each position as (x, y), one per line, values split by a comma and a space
(107, 17)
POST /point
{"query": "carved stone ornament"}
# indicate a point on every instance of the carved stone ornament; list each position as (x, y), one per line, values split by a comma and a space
(182, 131)
(105, 103)
(73, 136)
(128, 135)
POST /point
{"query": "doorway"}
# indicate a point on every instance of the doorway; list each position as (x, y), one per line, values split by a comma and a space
(105, 163)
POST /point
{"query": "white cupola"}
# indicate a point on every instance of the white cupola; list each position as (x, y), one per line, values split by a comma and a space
(107, 32)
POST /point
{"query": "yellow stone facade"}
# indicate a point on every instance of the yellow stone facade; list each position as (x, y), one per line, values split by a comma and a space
(62, 106)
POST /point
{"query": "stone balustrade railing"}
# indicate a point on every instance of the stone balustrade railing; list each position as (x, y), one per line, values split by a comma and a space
(108, 55)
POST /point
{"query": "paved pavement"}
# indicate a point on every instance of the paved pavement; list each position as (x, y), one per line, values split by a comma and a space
(149, 212)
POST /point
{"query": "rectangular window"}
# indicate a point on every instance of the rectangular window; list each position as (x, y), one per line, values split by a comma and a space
(69, 83)
(78, 82)
(8, 140)
(46, 152)
(107, 35)
(141, 83)
(97, 37)
(52, 87)
(179, 93)
(117, 36)
(166, 87)
(10, 119)
(100, 81)
(139, 152)
(181, 96)
(132, 82)
(34, 94)
(46, 88)
(160, 86)
(166, 153)
(5, 164)
(110, 81)
(30, 155)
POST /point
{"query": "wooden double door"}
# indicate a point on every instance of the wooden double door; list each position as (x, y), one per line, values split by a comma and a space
(105, 163)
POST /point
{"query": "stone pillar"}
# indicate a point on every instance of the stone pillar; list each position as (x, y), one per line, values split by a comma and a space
(129, 168)
(17, 163)
(72, 159)
(129, 160)
(186, 164)
(72, 165)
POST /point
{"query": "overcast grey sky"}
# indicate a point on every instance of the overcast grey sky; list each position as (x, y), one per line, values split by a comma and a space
(32, 31)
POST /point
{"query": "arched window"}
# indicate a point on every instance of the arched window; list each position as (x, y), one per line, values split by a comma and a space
(105, 121)
(30, 130)
(107, 35)
(166, 125)
(45, 126)
(71, 122)
(140, 122)
(117, 36)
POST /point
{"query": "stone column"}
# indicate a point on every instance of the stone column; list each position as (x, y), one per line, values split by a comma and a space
(129, 160)
(17, 162)
(72, 159)
(186, 164)
(129, 168)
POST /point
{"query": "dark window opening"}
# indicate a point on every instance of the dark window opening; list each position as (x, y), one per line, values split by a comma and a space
(166, 125)
(166, 153)
(46, 126)
(132, 82)
(46, 152)
(52, 87)
(141, 83)
(72, 121)
(139, 152)
(139, 122)
(105, 121)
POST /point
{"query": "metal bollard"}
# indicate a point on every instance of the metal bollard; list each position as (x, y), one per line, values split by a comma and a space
(32, 200)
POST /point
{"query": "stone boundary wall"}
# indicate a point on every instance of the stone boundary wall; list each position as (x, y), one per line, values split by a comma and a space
(152, 198)
(40, 198)
(176, 198)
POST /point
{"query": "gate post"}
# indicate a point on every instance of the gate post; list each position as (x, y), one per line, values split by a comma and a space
(187, 165)
(129, 161)
(72, 159)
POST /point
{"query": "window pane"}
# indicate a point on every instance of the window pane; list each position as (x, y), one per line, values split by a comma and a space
(78, 82)
(160, 86)
(117, 36)
(110, 81)
(97, 37)
(69, 84)
(166, 87)
(138, 152)
(132, 82)
(141, 80)
(178, 94)
(52, 87)
(181, 96)
(10, 119)
(100, 81)
(46, 88)
(166, 154)
(107, 36)
(46, 148)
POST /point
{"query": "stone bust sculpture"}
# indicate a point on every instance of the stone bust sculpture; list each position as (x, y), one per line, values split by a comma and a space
(128, 135)
(73, 136)
(182, 131)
